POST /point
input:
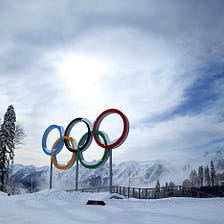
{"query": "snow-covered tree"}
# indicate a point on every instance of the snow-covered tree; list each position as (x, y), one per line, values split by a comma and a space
(194, 178)
(3, 168)
(207, 177)
(201, 176)
(8, 131)
(213, 174)
(7, 146)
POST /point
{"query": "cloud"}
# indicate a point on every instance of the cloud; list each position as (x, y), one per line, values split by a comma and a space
(61, 60)
(173, 139)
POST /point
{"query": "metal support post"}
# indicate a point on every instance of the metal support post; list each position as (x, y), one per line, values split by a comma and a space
(111, 171)
(77, 175)
(51, 172)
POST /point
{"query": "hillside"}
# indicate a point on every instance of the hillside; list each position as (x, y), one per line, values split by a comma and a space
(132, 173)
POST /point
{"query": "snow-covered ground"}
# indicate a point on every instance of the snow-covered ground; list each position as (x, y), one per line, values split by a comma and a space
(57, 206)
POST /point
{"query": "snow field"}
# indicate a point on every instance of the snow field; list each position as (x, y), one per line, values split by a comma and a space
(56, 206)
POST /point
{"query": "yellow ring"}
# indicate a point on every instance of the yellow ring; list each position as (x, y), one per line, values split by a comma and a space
(53, 155)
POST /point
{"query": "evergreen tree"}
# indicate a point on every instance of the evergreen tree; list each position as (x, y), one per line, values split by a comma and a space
(166, 185)
(7, 146)
(157, 186)
(8, 130)
(201, 176)
(207, 177)
(213, 174)
(3, 168)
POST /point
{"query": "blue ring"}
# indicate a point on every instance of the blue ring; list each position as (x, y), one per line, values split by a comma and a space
(44, 140)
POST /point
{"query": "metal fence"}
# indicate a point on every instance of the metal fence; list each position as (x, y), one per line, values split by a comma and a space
(140, 193)
(148, 193)
(162, 192)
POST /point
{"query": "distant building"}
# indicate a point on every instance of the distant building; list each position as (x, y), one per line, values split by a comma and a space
(221, 183)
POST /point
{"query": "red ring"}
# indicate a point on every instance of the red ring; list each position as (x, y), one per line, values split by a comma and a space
(123, 135)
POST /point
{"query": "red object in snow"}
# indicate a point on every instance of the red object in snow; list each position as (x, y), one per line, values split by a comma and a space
(93, 202)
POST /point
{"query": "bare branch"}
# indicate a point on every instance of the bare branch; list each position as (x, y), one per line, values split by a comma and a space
(19, 135)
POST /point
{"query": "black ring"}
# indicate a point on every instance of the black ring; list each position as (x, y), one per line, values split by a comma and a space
(68, 130)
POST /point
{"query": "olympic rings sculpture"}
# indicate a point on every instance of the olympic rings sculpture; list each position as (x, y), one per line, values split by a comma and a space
(85, 141)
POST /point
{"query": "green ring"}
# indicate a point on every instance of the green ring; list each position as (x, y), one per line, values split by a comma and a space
(105, 155)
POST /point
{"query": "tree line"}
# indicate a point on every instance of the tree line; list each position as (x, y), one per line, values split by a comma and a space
(205, 176)
(11, 135)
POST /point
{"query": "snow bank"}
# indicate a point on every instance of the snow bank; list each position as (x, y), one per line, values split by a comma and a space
(2, 194)
(57, 206)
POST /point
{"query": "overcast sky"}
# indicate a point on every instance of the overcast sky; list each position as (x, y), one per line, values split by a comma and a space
(160, 62)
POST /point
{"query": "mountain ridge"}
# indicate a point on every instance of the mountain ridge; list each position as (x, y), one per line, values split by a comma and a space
(131, 173)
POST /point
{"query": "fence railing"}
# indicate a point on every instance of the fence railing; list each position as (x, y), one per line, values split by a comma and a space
(162, 192)
(140, 193)
(148, 193)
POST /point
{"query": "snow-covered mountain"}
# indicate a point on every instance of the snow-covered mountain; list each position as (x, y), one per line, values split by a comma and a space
(132, 173)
